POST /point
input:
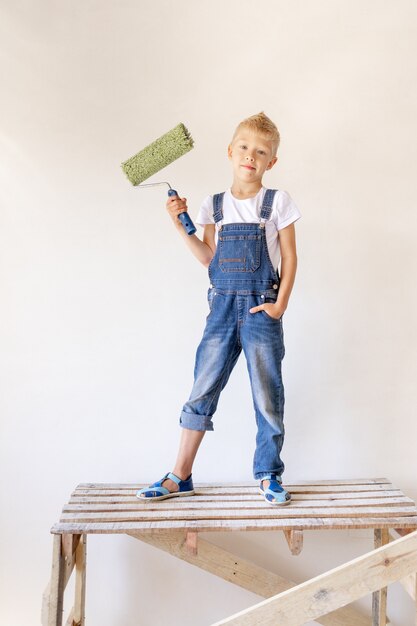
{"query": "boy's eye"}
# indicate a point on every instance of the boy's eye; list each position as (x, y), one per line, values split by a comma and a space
(243, 147)
(261, 151)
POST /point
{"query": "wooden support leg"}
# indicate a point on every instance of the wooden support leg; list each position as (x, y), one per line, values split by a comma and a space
(55, 602)
(76, 616)
(379, 598)
(69, 551)
(80, 574)
(69, 547)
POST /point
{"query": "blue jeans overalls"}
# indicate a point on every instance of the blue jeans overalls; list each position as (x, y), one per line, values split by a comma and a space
(242, 276)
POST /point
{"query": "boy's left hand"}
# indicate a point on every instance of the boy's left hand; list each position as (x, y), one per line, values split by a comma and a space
(273, 310)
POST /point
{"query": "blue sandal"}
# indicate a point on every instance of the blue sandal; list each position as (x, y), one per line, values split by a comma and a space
(275, 494)
(158, 492)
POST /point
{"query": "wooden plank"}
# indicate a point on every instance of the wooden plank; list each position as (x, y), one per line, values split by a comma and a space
(333, 589)
(236, 488)
(323, 523)
(255, 497)
(233, 514)
(240, 572)
(214, 485)
(254, 509)
(179, 504)
(249, 490)
(379, 597)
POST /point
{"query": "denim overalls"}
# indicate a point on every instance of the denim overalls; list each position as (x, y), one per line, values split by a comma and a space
(242, 276)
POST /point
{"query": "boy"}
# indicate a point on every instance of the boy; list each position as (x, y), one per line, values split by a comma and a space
(247, 229)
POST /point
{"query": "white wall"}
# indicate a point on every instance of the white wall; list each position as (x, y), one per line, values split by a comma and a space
(102, 306)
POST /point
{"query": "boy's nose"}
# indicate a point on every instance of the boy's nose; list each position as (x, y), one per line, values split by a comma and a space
(249, 157)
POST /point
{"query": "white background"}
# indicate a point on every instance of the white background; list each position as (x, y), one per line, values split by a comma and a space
(102, 305)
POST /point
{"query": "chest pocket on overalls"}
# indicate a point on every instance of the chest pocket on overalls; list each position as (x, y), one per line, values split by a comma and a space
(239, 253)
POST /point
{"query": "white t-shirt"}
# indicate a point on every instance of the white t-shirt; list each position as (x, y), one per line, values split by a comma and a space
(284, 212)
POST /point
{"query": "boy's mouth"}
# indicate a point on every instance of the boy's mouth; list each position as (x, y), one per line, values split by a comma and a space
(248, 167)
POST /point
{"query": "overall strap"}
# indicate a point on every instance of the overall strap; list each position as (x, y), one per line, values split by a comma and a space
(218, 207)
(266, 209)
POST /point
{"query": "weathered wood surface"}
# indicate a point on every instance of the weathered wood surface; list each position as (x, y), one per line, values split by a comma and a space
(53, 613)
(69, 553)
(78, 611)
(237, 484)
(379, 597)
(332, 504)
(237, 525)
(409, 582)
(241, 572)
(335, 588)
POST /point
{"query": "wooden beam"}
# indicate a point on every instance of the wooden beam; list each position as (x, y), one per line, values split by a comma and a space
(76, 616)
(409, 583)
(379, 598)
(335, 588)
(69, 547)
(240, 572)
(80, 576)
(56, 589)
(295, 540)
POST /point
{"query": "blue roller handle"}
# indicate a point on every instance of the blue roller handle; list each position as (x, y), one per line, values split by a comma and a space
(184, 218)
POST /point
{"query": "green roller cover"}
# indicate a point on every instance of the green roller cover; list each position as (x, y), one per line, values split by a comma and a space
(158, 154)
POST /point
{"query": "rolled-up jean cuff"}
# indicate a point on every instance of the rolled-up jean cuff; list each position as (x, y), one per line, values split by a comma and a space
(268, 476)
(196, 422)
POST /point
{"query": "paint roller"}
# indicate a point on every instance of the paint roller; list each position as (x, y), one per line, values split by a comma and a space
(169, 147)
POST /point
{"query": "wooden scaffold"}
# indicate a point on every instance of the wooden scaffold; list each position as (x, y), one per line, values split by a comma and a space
(174, 525)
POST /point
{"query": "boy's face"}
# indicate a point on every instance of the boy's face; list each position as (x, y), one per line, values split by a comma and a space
(251, 155)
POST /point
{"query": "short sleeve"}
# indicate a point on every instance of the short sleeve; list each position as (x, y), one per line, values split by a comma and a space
(284, 211)
(205, 214)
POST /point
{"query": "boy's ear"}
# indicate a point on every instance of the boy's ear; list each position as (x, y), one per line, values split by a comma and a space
(272, 163)
(229, 150)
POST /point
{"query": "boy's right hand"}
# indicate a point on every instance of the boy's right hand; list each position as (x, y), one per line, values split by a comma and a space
(175, 206)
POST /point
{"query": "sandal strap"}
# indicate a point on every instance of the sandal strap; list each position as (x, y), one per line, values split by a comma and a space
(174, 478)
(157, 488)
(274, 485)
(274, 494)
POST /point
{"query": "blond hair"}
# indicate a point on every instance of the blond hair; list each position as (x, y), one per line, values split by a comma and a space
(260, 123)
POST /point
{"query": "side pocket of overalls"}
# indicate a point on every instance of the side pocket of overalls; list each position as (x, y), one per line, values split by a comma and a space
(270, 300)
